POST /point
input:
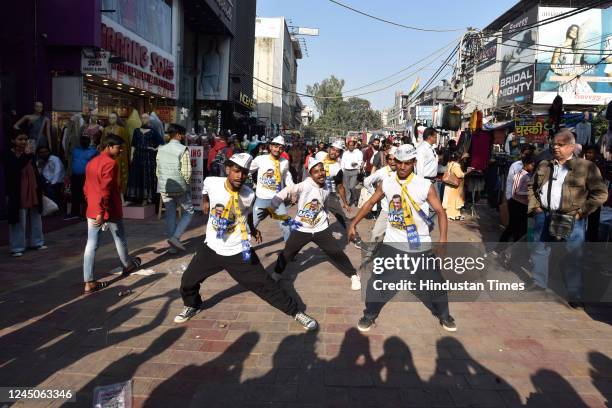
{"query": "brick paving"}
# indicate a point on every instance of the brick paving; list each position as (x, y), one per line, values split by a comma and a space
(239, 352)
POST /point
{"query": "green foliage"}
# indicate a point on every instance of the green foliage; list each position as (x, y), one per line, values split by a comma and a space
(337, 116)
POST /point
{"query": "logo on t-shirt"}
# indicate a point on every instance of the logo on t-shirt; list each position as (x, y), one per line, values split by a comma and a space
(311, 213)
(396, 213)
(268, 181)
(215, 218)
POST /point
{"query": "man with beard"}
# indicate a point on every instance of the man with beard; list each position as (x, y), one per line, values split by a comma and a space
(311, 223)
(370, 183)
(369, 152)
(227, 246)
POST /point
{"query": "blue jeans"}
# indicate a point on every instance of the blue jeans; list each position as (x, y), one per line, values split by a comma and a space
(93, 234)
(573, 262)
(172, 228)
(17, 232)
(281, 210)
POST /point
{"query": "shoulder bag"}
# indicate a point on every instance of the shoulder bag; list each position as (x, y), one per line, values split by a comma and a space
(450, 179)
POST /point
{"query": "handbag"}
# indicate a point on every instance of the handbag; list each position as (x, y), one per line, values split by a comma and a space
(561, 225)
(450, 179)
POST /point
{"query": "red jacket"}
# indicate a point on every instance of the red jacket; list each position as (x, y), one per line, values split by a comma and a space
(102, 189)
(219, 145)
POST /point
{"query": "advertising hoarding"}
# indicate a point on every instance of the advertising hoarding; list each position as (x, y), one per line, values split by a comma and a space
(574, 57)
(213, 68)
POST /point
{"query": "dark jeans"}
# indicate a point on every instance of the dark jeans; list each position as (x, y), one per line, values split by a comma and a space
(251, 275)
(435, 301)
(592, 234)
(324, 240)
(517, 224)
(77, 181)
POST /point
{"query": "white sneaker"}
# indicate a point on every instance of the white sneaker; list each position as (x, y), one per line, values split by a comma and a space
(16, 254)
(186, 314)
(355, 282)
(306, 321)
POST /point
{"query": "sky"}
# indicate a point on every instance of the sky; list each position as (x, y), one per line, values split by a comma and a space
(361, 50)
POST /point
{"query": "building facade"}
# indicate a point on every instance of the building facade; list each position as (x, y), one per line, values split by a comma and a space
(275, 69)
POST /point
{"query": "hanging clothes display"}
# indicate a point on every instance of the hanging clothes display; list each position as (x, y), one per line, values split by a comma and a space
(133, 122)
(124, 159)
(583, 133)
(451, 118)
(480, 151)
(476, 120)
(465, 142)
(142, 181)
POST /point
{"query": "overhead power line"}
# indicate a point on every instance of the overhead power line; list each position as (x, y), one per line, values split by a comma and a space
(392, 22)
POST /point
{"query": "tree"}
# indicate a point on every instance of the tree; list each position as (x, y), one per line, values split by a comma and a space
(326, 93)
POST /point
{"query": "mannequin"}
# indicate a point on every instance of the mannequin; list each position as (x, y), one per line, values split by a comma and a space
(124, 159)
(93, 130)
(142, 182)
(38, 128)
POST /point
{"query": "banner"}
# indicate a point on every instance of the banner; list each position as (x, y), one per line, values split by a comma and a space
(197, 175)
(488, 55)
(574, 57)
(213, 68)
(516, 87)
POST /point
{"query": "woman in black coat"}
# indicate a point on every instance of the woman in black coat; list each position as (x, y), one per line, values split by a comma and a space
(23, 189)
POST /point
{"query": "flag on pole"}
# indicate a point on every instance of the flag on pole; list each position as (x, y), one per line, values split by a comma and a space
(415, 86)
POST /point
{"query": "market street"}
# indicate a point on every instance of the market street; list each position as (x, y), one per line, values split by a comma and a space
(241, 352)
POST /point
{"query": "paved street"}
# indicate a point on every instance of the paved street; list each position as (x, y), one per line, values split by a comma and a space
(239, 352)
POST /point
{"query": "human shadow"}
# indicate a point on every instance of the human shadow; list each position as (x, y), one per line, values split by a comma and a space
(552, 390)
(33, 353)
(601, 371)
(468, 382)
(215, 383)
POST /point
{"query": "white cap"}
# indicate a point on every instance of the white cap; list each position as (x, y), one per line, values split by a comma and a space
(405, 152)
(338, 144)
(278, 140)
(242, 160)
(392, 151)
(312, 163)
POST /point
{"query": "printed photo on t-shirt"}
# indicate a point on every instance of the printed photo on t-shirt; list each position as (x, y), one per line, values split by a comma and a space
(268, 181)
(311, 213)
(215, 217)
(396, 212)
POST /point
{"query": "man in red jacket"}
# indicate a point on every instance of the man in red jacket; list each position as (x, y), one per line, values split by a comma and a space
(103, 194)
(218, 155)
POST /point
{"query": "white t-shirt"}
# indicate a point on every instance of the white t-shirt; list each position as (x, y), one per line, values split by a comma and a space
(311, 212)
(378, 176)
(218, 196)
(418, 190)
(515, 168)
(427, 160)
(266, 183)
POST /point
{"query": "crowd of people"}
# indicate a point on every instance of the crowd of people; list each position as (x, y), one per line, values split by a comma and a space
(404, 187)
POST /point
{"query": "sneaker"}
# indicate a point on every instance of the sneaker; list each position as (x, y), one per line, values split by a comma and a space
(172, 251)
(365, 324)
(187, 313)
(448, 324)
(355, 282)
(358, 243)
(16, 254)
(306, 321)
(38, 248)
(176, 244)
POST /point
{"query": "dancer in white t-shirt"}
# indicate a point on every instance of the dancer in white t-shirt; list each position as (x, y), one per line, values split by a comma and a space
(227, 246)
(311, 223)
(409, 197)
(272, 176)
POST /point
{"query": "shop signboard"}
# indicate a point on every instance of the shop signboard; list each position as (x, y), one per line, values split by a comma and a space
(517, 59)
(143, 65)
(197, 175)
(532, 130)
(516, 87)
(95, 62)
(424, 112)
(574, 57)
(488, 55)
(213, 68)
(247, 101)
(166, 114)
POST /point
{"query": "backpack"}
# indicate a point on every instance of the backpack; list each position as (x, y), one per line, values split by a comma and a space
(218, 166)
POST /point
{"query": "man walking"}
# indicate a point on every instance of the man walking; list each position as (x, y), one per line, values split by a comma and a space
(312, 223)
(427, 157)
(174, 183)
(564, 192)
(351, 162)
(368, 153)
(227, 246)
(104, 211)
(410, 197)
(272, 176)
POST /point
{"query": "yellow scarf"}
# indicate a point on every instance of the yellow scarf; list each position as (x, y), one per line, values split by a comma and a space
(326, 163)
(408, 218)
(277, 172)
(234, 203)
(389, 171)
